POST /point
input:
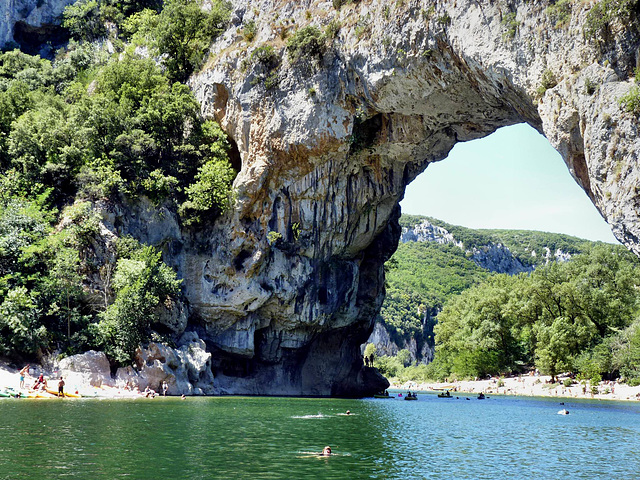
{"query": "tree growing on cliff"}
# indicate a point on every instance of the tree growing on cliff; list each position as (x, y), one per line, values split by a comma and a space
(141, 284)
(185, 31)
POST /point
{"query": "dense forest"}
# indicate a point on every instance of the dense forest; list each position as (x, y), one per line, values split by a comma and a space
(577, 316)
(422, 276)
(101, 123)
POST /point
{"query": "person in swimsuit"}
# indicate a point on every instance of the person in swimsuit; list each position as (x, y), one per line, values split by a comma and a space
(326, 451)
(23, 373)
(61, 387)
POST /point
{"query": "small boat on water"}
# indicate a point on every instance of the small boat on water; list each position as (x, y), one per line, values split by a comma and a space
(446, 394)
(411, 397)
(382, 394)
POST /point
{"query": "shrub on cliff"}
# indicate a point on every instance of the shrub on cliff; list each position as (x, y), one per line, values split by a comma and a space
(210, 195)
(141, 283)
(604, 13)
(266, 61)
(308, 43)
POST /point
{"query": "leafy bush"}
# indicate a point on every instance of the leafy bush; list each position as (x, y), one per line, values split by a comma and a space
(184, 34)
(249, 30)
(510, 25)
(266, 61)
(547, 81)
(630, 102)
(307, 43)
(559, 13)
(210, 195)
(141, 283)
(331, 29)
(84, 20)
(604, 13)
(590, 87)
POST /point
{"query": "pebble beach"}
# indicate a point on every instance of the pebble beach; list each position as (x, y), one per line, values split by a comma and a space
(532, 386)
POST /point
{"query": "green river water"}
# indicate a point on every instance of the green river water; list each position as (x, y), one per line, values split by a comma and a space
(267, 438)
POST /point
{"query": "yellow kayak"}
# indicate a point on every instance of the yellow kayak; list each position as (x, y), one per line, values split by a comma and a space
(66, 394)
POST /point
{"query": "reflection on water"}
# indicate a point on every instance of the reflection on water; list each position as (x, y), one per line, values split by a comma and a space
(264, 438)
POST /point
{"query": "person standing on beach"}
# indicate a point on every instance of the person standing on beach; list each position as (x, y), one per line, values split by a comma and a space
(23, 373)
(61, 388)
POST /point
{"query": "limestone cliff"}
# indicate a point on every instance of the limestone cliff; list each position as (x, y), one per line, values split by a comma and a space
(327, 152)
(31, 23)
(286, 286)
(494, 257)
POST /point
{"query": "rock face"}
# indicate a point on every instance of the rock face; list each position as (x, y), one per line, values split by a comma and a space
(327, 153)
(186, 370)
(286, 286)
(90, 368)
(31, 23)
(494, 257)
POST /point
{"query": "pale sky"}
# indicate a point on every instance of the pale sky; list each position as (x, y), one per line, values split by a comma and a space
(511, 179)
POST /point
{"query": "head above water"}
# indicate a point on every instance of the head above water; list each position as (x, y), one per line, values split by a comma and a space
(326, 450)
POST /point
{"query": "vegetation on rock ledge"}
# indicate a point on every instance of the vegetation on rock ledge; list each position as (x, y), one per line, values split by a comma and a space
(92, 127)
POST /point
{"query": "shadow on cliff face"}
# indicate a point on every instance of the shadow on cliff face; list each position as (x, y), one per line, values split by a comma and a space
(317, 359)
(41, 40)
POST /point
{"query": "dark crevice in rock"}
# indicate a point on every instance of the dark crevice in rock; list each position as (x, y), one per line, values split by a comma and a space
(35, 40)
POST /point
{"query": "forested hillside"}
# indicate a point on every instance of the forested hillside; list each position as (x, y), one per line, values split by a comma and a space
(577, 315)
(101, 123)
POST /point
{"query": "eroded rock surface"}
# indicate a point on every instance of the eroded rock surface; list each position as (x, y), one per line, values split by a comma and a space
(326, 155)
(31, 23)
(286, 286)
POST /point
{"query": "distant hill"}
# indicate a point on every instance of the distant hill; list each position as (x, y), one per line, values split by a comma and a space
(436, 260)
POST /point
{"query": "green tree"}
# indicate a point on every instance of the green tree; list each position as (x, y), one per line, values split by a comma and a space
(185, 32)
(141, 284)
(210, 195)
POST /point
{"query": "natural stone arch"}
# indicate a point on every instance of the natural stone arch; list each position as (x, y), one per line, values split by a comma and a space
(326, 156)
(286, 286)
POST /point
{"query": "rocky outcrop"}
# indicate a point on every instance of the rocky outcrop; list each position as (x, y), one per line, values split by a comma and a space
(186, 370)
(426, 231)
(494, 257)
(31, 23)
(385, 345)
(89, 368)
(327, 152)
(286, 286)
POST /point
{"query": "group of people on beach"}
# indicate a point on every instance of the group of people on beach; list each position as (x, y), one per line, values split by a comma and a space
(41, 382)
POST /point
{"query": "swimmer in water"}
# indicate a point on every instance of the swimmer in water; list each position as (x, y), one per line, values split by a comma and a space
(326, 452)
(348, 412)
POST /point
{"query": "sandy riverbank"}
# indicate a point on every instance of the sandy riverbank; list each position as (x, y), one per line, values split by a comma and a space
(10, 379)
(533, 386)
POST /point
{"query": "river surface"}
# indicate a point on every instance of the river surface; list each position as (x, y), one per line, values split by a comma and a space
(269, 438)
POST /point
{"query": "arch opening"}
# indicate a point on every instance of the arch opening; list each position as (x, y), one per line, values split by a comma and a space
(512, 179)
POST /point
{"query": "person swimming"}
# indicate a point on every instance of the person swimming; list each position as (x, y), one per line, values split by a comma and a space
(326, 451)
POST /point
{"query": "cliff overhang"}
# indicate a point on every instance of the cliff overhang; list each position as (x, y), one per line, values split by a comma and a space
(286, 286)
